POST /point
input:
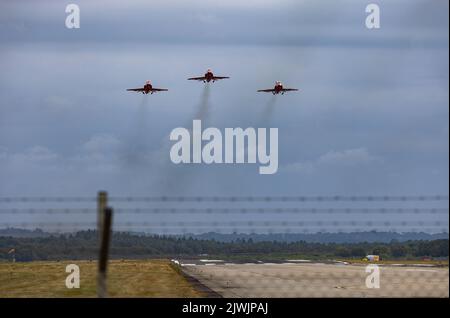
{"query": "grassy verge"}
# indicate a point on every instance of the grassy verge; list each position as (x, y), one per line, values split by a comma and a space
(137, 278)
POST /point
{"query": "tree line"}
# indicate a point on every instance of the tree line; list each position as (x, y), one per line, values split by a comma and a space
(84, 245)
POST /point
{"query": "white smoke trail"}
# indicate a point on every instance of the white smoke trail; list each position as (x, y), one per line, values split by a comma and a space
(203, 109)
(135, 148)
(267, 113)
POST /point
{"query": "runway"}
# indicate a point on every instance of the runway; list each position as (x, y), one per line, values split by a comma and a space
(300, 279)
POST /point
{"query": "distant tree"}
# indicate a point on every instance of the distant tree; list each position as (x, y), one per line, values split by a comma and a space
(343, 251)
(381, 250)
(358, 252)
(398, 250)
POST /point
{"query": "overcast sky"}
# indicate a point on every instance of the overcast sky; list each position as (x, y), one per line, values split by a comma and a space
(371, 117)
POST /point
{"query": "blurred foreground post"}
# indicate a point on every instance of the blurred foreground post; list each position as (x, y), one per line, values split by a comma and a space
(102, 203)
(104, 249)
(13, 252)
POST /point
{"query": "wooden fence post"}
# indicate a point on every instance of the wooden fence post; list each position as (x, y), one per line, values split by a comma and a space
(102, 203)
(104, 250)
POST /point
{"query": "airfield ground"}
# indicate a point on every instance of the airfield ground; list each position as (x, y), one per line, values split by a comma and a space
(148, 278)
(161, 278)
(319, 280)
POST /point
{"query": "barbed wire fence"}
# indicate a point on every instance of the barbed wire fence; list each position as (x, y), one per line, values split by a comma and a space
(249, 212)
(192, 215)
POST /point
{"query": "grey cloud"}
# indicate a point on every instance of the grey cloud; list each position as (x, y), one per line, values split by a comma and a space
(300, 23)
(348, 158)
(65, 91)
(101, 143)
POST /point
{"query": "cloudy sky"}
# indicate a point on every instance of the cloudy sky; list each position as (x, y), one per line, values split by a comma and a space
(371, 117)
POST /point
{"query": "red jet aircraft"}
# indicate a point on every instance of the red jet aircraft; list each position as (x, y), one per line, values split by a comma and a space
(278, 88)
(208, 77)
(148, 88)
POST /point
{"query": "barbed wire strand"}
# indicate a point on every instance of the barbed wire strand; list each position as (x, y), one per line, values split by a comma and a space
(230, 210)
(335, 198)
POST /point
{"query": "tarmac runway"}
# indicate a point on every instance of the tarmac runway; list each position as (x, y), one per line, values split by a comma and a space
(303, 279)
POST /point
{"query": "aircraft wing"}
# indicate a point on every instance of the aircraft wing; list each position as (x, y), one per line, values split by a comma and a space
(220, 77)
(289, 89)
(135, 89)
(159, 89)
(201, 78)
(266, 90)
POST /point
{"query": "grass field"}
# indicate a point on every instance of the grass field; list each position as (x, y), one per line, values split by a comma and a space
(143, 278)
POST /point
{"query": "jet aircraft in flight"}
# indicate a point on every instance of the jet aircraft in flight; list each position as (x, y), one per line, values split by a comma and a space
(148, 88)
(277, 89)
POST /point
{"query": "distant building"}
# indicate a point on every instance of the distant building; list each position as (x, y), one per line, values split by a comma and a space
(373, 258)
